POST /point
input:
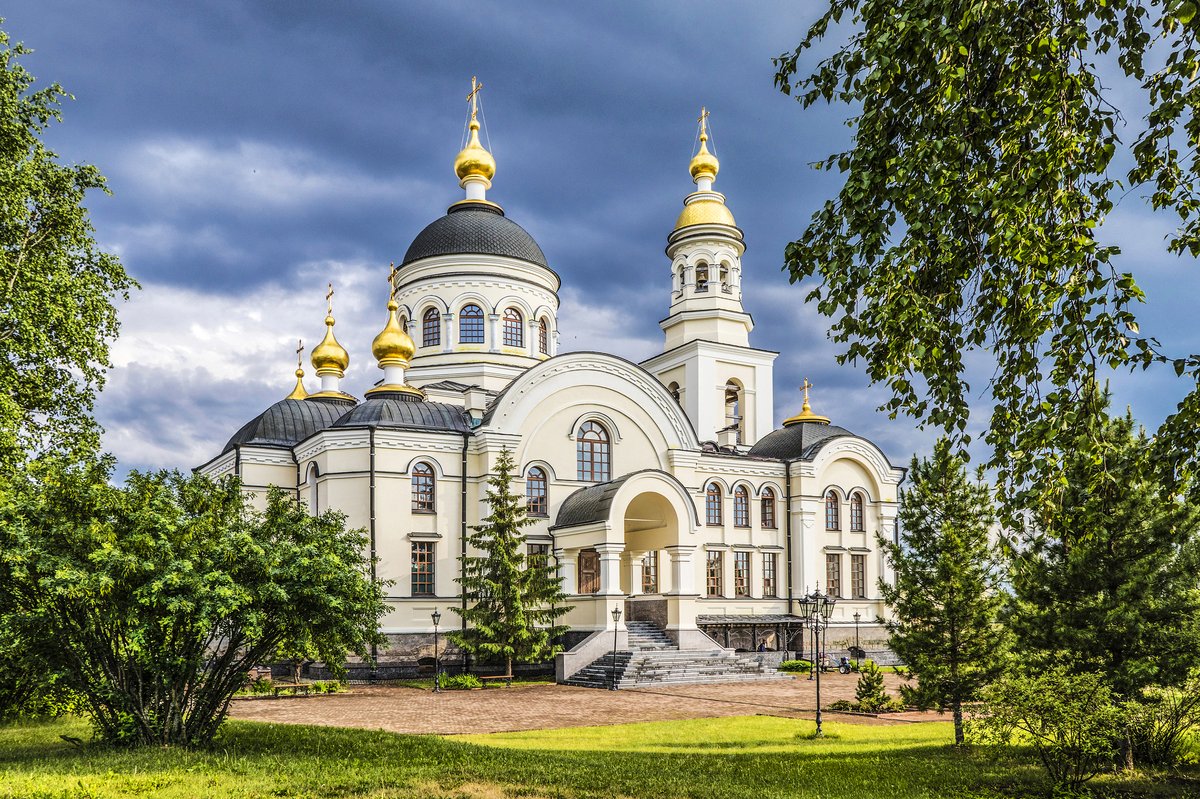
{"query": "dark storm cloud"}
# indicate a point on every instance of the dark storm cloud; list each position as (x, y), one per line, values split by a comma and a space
(251, 145)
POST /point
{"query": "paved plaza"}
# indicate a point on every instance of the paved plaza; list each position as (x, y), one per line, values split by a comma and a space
(498, 709)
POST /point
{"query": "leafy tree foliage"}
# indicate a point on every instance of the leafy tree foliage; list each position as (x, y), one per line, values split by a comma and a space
(57, 287)
(153, 600)
(945, 600)
(1070, 720)
(967, 228)
(1107, 582)
(513, 599)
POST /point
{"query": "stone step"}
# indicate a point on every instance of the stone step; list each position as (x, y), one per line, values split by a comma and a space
(640, 667)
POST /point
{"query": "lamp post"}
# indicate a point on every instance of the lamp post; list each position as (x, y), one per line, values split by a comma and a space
(616, 614)
(857, 648)
(817, 607)
(437, 683)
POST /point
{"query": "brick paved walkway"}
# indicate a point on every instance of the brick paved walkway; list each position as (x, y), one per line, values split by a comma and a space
(411, 710)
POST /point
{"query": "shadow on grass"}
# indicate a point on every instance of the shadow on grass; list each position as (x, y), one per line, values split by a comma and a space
(257, 759)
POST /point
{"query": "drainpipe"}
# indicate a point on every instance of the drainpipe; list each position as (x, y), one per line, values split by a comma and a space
(374, 575)
(462, 544)
(237, 461)
(788, 529)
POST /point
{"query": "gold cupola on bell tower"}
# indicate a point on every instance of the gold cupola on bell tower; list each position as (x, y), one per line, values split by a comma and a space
(393, 348)
(330, 359)
(474, 165)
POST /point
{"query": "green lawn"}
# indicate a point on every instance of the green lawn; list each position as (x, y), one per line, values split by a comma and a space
(747, 757)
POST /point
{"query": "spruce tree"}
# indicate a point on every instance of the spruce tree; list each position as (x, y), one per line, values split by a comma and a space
(1105, 578)
(512, 600)
(944, 602)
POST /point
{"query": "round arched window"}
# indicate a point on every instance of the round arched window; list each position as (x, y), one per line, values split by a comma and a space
(470, 325)
(514, 333)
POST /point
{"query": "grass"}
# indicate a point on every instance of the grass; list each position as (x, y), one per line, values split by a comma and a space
(751, 756)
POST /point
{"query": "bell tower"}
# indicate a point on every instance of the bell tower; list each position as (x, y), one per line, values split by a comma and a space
(722, 383)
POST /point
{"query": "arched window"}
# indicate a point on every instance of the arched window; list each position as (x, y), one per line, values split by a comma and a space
(431, 328)
(470, 325)
(733, 407)
(712, 504)
(768, 509)
(543, 337)
(514, 333)
(592, 452)
(741, 507)
(404, 323)
(314, 489)
(833, 520)
(535, 492)
(422, 488)
(702, 277)
(676, 394)
(856, 512)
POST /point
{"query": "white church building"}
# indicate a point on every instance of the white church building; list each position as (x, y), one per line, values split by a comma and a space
(661, 488)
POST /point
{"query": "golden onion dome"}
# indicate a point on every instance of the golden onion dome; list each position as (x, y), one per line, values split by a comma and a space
(705, 211)
(474, 160)
(806, 412)
(329, 356)
(705, 164)
(393, 347)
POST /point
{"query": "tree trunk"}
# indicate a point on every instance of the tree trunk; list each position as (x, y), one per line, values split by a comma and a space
(959, 738)
(1126, 759)
(508, 673)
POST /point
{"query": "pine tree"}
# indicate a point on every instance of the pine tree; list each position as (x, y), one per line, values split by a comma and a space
(513, 600)
(945, 601)
(1104, 579)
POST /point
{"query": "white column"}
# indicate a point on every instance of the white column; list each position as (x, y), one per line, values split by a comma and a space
(448, 339)
(566, 570)
(494, 329)
(554, 342)
(610, 568)
(531, 337)
(683, 573)
(635, 572)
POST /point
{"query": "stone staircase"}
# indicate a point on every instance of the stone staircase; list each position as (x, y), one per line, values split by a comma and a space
(653, 659)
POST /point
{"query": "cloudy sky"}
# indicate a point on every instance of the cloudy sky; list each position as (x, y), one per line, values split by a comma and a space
(258, 149)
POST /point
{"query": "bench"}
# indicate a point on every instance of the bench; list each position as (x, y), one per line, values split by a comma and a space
(506, 677)
(293, 687)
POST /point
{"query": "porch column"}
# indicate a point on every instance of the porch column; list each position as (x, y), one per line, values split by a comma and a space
(635, 572)
(610, 568)
(683, 574)
(566, 570)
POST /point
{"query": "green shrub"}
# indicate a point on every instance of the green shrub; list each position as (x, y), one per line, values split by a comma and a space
(261, 686)
(458, 682)
(796, 666)
(1071, 721)
(843, 705)
(1160, 725)
(869, 692)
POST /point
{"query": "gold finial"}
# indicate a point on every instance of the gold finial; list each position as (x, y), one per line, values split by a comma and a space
(329, 356)
(392, 280)
(806, 414)
(474, 161)
(704, 164)
(299, 393)
(393, 348)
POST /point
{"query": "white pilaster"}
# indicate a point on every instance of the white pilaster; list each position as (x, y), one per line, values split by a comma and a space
(566, 570)
(683, 572)
(610, 568)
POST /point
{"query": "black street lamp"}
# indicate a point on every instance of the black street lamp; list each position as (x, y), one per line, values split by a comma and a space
(817, 607)
(616, 614)
(437, 683)
(857, 649)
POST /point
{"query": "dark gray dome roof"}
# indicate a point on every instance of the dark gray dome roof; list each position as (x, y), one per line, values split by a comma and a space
(405, 412)
(478, 229)
(288, 422)
(801, 440)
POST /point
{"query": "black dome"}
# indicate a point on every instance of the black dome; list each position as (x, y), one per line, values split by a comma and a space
(287, 423)
(801, 440)
(405, 412)
(477, 229)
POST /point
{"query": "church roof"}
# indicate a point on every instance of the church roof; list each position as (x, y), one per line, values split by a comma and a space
(287, 422)
(589, 504)
(400, 412)
(475, 228)
(800, 441)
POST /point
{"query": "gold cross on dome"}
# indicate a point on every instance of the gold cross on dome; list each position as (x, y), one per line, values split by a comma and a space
(472, 97)
(805, 387)
(703, 120)
(329, 300)
(392, 280)
(299, 353)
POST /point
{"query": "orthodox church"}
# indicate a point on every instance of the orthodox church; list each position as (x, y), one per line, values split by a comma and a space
(660, 489)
